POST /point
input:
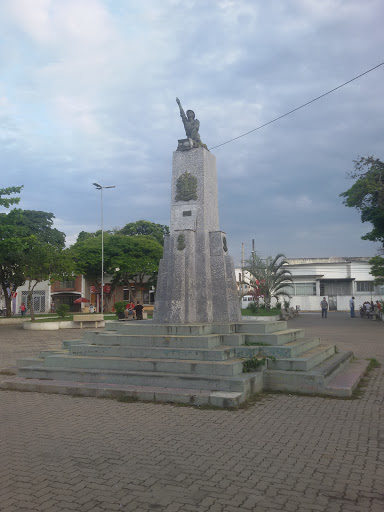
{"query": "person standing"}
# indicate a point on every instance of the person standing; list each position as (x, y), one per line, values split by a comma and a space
(352, 307)
(23, 309)
(324, 308)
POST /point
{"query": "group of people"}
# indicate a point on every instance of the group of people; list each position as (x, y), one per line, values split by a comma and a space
(136, 312)
(368, 307)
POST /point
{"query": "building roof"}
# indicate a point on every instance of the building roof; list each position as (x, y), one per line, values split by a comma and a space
(332, 259)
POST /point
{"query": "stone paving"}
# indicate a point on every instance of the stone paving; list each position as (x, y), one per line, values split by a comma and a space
(288, 453)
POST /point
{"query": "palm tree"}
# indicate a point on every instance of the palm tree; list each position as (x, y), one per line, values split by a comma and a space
(269, 277)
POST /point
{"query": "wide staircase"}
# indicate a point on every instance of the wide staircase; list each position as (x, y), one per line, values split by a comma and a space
(199, 364)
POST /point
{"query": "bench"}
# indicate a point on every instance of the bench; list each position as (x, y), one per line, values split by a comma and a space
(89, 318)
(130, 317)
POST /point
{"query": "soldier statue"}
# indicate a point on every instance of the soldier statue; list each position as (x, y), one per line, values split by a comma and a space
(191, 125)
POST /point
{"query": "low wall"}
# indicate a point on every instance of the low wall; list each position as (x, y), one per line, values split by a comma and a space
(54, 326)
(13, 321)
(312, 302)
(275, 318)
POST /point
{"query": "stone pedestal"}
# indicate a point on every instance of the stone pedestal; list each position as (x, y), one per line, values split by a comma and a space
(196, 282)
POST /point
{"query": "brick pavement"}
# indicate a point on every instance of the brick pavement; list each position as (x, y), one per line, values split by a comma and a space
(285, 452)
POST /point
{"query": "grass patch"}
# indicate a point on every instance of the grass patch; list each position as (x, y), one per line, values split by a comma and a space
(55, 319)
(373, 363)
(261, 312)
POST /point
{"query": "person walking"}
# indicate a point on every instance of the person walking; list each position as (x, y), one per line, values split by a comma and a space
(352, 307)
(324, 308)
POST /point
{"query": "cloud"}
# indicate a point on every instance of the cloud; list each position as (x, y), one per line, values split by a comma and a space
(89, 91)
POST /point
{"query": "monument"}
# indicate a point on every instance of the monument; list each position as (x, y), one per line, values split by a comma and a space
(196, 281)
(196, 350)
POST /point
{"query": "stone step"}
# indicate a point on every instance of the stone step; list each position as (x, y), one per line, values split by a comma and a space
(214, 354)
(306, 361)
(145, 393)
(260, 327)
(346, 381)
(149, 328)
(247, 383)
(30, 361)
(314, 381)
(291, 349)
(137, 340)
(222, 368)
(275, 338)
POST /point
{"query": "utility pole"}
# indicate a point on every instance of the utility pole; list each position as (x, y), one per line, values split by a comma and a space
(100, 187)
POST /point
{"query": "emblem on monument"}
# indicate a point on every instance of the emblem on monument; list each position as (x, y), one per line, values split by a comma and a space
(186, 187)
(181, 242)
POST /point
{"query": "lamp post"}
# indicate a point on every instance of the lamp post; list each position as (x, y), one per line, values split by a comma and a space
(101, 187)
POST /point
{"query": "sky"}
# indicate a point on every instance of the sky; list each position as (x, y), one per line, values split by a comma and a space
(87, 94)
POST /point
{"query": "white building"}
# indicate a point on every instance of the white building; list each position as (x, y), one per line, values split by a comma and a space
(337, 279)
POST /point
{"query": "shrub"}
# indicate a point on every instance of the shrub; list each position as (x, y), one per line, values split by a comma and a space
(120, 306)
(62, 310)
(253, 307)
(278, 305)
(286, 304)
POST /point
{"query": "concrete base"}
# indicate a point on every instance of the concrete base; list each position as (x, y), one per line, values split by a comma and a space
(54, 326)
(198, 364)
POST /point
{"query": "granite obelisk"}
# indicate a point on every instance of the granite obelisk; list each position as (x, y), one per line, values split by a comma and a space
(196, 281)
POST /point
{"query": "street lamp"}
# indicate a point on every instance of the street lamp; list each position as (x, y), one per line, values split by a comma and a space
(100, 187)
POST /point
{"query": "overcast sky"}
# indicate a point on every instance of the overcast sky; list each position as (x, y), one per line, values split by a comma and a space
(87, 93)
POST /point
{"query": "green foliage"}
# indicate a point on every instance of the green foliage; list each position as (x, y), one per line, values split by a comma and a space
(29, 249)
(253, 307)
(367, 195)
(127, 258)
(7, 202)
(120, 306)
(62, 310)
(269, 277)
(377, 269)
(286, 303)
(144, 227)
(278, 305)
(254, 363)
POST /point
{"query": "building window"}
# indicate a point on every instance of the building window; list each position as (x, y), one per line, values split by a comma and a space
(67, 284)
(300, 289)
(364, 286)
(380, 290)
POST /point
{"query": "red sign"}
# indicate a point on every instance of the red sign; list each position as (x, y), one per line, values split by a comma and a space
(107, 289)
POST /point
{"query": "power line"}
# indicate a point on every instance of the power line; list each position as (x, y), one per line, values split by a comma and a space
(298, 108)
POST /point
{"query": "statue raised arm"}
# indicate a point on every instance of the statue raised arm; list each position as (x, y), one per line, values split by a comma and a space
(191, 125)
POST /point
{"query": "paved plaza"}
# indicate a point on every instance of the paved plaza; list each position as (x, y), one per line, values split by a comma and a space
(284, 452)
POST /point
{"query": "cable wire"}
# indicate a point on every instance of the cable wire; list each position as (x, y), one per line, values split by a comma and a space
(298, 108)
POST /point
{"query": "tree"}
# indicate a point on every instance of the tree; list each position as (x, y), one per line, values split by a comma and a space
(44, 262)
(367, 195)
(144, 227)
(19, 232)
(377, 269)
(269, 277)
(135, 259)
(128, 259)
(7, 202)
